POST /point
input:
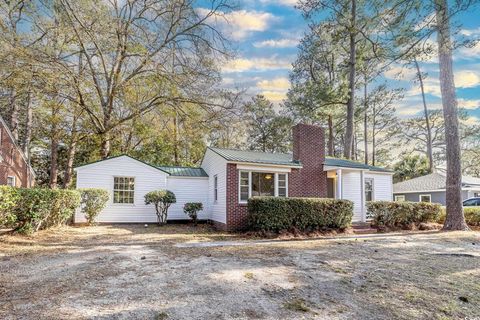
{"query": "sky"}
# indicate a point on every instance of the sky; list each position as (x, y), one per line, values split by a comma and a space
(266, 34)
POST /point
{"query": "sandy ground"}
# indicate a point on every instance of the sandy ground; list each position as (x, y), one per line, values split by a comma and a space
(132, 272)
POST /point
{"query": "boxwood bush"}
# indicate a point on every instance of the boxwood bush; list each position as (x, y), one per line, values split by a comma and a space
(29, 210)
(393, 214)
(472, 216)
(273, 214)
(93, 202)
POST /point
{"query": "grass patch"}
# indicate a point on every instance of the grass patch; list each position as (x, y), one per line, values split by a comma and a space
(296, 305)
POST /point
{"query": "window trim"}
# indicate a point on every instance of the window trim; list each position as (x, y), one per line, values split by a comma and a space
(402, 196)
(113, 191)
(215, 188)
(240, 201)
(425, 195)
(14, 181)
(365, 190)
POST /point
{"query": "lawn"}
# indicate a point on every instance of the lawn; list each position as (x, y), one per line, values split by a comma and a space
(132, 272)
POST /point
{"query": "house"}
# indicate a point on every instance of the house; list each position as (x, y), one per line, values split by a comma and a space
(431, 188)
(227, 178)
(15, 169)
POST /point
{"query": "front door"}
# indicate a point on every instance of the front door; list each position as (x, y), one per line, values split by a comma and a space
(330, 187)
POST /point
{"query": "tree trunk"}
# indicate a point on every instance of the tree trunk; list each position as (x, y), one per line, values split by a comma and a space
(330, 136)
(349, 132)
(374, 133)
(175, 139)
(365, 121)
(14, 115)
(53, 157)
(455, 219)
(72, 149)
(28, 128)
(427, 119)
(105, 148)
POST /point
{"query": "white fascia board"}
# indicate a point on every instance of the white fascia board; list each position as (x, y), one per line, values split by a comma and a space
(257, 166)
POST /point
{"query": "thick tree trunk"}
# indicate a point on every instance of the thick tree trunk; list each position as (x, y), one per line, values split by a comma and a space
(330, 136)
(365, 121)
(349, 132)
(72, 149)
(14, 116)
(427, 119)
(105, 147)
(53, 158)
(455, 219)
(374, 133)
(28, 128)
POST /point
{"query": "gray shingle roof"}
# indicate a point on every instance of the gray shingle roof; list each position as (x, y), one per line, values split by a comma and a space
(285, 159)
(256, 157)
(433, 181)
(184, 171)
(335, 162)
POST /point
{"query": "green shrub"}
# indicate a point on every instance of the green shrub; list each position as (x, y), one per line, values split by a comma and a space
(273, 214)
(162, 199)
(393, 214)
(93, 202)
(191, 209)
(472, 215)
(44, 208)
(8, 201)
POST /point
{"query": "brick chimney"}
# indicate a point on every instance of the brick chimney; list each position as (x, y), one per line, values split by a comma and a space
(309, 150)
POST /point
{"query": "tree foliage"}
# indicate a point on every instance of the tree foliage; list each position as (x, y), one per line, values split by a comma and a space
(162, 200)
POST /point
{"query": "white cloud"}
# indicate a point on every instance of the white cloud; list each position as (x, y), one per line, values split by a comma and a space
(257, 64)
(470, 32)
(281, 43)
(399, 72)
(277, 84)
(239, 24)
(468, 104)
(274, 96)
(289, 3)
(469, 52)
(467, 79)
(472, 120)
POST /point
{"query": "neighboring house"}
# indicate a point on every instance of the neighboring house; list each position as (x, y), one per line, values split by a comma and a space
(227, 178)
(15, 169)
(431, 188)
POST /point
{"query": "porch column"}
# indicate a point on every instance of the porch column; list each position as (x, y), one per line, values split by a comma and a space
(339, 193)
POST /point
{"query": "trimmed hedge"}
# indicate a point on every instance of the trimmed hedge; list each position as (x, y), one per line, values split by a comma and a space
(93, 201)
(29, 210)
(472, 216)
(273, 214)
(393, 214)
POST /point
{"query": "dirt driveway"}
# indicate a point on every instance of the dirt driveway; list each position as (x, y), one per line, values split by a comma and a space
(132, 272)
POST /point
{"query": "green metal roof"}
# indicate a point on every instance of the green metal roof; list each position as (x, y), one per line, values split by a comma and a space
(286, 159)
(256, 157)
(335, 162)
(184, 171)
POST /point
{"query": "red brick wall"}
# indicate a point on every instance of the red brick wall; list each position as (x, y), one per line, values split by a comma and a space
(12, 163)
(236, 213)
(309, 149)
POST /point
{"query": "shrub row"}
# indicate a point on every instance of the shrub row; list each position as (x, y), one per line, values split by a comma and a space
(29, 210)
(403, 214)
(472, 215)
(273, 214)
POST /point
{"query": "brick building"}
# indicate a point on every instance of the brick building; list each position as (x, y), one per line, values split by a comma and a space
(14, 167)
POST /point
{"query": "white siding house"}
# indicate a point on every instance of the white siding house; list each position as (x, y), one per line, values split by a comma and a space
(216, 168)
(146, 178)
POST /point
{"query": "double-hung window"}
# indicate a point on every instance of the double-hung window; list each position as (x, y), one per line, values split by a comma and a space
(123, 190)
(254, 184)
(11, 181)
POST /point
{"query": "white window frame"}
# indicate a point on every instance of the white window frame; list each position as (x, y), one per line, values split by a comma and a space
(400, 198)
(425, 195)
(14, 181)
(250, 184)
(373, 189)
(215, 188)
(113, 191)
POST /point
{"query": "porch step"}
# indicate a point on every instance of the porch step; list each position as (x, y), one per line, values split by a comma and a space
(363, 228)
